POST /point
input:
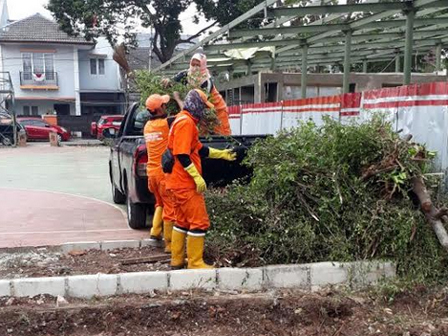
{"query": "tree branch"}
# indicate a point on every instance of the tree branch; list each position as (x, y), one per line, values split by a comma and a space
(419, 188)
(147, 11)
(442, 212)
(184, 41)
(188, 40)
(432, 214)
(156, 49)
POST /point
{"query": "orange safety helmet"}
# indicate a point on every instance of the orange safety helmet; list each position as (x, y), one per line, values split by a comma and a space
(156, 101)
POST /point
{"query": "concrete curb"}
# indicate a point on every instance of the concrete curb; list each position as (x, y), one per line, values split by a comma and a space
(103, 245)
(86, 245)
(83, 143)
(306, 277)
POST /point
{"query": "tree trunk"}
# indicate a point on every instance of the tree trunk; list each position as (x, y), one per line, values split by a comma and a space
(432, 214)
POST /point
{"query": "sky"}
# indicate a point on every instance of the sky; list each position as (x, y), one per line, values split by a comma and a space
(19, 9)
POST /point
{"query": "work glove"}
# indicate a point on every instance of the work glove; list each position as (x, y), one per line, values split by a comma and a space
(225, 154)
(201, 186)
(166, 82)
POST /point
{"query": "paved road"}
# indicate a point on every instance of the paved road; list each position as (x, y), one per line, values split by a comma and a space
(75, 170)
(51, 195)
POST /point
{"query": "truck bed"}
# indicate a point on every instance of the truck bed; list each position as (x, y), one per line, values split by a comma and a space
(128, 166)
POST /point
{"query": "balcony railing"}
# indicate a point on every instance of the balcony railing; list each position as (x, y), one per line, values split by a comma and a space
(44, 79)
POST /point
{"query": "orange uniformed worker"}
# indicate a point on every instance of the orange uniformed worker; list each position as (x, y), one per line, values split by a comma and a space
(156, 138)
(185, 182)
(198, 76)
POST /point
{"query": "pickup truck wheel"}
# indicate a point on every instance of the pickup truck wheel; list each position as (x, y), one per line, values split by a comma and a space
(136, 214)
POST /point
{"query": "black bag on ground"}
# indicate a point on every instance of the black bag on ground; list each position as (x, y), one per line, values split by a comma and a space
(167, 162)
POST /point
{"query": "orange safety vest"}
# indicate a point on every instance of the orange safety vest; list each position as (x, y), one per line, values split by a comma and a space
(156, 137)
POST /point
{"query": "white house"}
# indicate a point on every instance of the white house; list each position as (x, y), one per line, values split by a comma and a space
(52, 71)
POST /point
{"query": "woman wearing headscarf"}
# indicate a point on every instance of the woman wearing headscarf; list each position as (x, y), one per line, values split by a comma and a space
(198, 77)
(185, 182)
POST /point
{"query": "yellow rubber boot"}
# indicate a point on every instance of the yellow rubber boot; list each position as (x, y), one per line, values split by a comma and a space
(157, 221)
(178, 248)
(195, 252)
(167, 233)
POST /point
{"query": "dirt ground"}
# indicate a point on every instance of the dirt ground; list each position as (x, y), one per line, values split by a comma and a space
(43, 262)
(327, 313)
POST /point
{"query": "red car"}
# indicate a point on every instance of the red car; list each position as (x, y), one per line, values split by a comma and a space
(106, 121)
(38, 129)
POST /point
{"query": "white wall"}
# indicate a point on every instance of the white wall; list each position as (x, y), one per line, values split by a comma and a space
(110, 81)
(295, 92)
(43, 106)
(63, 63)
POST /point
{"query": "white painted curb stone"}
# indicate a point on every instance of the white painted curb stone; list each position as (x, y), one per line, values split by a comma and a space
(189, 279)
(305, 277)
(34, 286)
(5, 288)
(143, 282)
(240, 278)
(87, 286)
(287, 276)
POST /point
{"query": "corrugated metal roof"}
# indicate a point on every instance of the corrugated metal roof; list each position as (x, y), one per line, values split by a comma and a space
(37, 28)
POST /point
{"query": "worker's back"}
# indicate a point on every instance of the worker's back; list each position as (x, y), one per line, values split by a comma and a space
(156, 138)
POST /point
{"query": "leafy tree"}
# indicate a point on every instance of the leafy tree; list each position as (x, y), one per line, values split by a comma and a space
(121, 18)
(115, 18)
(225, 11)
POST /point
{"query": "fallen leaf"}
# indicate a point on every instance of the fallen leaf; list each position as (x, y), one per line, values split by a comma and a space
(77, 253)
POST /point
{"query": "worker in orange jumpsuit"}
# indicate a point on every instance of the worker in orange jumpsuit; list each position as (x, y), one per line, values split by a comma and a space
(186, 184)
(156, 137)
(198, 76)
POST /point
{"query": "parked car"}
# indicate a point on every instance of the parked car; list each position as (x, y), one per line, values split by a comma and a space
(128, 159)
(105, 122)
(38, 129)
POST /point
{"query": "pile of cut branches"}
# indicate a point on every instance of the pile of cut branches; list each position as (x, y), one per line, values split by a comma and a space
(148, 83)
(335, 192)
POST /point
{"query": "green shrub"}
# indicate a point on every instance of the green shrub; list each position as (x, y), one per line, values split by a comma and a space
(148, 83)
(331, 193)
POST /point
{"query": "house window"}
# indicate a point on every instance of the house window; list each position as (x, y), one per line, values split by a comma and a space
(30, 110)
(93, 66)
(38, 64)
(97, 66)
(101, 66)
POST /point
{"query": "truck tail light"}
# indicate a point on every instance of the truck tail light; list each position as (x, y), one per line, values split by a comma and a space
(140, 161)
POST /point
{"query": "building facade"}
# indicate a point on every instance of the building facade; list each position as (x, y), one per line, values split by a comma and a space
(54, 72)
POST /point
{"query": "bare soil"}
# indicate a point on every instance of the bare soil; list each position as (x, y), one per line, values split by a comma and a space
(327, 313)
(46, 263)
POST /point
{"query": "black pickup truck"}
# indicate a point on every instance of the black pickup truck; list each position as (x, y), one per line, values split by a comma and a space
(128, 158)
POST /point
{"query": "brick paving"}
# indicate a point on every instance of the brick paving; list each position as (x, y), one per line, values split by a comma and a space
(51, 195)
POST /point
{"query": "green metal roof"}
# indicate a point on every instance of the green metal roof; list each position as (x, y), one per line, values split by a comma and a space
(379, 34)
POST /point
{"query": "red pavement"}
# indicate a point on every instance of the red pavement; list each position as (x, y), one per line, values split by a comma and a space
(38, 218)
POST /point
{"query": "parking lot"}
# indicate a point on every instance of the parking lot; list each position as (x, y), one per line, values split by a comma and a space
(51, 195)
